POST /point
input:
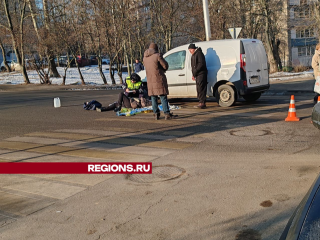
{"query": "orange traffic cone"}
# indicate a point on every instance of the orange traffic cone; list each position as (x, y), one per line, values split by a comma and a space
(318, 99)
(292, 116)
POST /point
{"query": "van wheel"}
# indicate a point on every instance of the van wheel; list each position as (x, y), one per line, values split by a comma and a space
(252, 97)
(225, 95)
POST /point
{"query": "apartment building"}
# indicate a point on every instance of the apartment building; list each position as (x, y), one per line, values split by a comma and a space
(302, 34)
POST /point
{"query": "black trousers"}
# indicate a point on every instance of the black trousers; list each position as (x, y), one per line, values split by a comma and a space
(123, 100)
(315, 99)
(201, 82)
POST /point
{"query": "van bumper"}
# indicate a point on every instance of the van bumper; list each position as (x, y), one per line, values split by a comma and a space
(247, 90)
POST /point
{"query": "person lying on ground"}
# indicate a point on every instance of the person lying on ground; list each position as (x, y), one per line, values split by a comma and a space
(133, 96)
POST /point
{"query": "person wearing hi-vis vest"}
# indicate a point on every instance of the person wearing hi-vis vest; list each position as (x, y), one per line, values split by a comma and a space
(133, 89)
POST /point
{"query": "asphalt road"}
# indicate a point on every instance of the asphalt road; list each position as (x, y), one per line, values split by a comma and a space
(244, 169)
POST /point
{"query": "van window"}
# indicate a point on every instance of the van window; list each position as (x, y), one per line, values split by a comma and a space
(176, 60)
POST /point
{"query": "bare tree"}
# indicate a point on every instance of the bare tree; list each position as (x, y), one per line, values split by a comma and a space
(68, 30)
(271, 10)
(168, 17)
(314, 20)
(94, 30)
(8, 69)
(14, 12)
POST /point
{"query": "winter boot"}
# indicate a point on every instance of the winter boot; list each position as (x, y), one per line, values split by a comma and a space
(201, 106)
(169, 116)
(156, 116)
(102, 109)
(117, 109)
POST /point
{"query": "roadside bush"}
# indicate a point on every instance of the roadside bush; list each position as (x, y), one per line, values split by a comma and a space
(287, 69)
(300, 68)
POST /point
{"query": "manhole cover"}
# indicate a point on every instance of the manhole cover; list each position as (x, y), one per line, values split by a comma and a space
(249, 133)
(159, 174)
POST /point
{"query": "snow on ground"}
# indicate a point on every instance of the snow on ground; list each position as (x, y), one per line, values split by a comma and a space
(290, 75)
(90, 74)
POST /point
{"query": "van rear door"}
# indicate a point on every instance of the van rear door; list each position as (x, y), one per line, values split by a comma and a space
(256, 63)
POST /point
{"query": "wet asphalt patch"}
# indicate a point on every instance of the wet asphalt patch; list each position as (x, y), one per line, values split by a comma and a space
(266, 203)
(248, 234)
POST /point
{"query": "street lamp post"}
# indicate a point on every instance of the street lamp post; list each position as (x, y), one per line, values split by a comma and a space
(206, 19)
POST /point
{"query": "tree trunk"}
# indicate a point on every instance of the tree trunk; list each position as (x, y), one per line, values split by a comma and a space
(111, 73)
(25, 75)
(276, 53)
(53, 68)
(14, 37)
(272, 61)
(119, 68)
(127, 59)
(49, 52)
(80, 75)
(79, 71)
(8, 69)
(100, 70)
(269, 36)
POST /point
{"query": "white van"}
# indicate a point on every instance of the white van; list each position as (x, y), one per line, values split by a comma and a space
(236, 68)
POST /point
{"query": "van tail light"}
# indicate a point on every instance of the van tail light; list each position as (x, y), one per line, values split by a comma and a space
(243, 61)
(245, 83)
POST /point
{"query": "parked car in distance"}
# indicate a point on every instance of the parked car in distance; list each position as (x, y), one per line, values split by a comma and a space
(93, 60)
(105, 61)
(304, 222)
(63, 61)
(12, 64)
(83, 61)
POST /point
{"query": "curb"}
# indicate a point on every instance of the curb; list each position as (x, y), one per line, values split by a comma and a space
(94, 88)
(286, 92)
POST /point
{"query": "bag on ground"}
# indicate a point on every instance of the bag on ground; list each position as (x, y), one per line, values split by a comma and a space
(92, 105)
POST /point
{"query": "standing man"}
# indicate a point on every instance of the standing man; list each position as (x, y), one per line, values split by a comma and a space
(138, 66)
(316, 68)
(156, 67)
(199, 73)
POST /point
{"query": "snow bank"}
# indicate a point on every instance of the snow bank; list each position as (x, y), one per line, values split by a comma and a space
(90, 74)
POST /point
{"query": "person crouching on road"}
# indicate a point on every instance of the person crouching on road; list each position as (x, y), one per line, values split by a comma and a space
(316, 68)
(199, 73)
(133, 89)
(156, 67)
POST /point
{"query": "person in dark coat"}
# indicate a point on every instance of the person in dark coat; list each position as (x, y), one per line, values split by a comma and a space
(138, 66)
(199, 73)
(156, 67)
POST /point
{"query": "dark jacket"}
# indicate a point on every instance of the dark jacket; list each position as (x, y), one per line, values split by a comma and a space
(155, 67)
(198, 63)
(138, 67)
